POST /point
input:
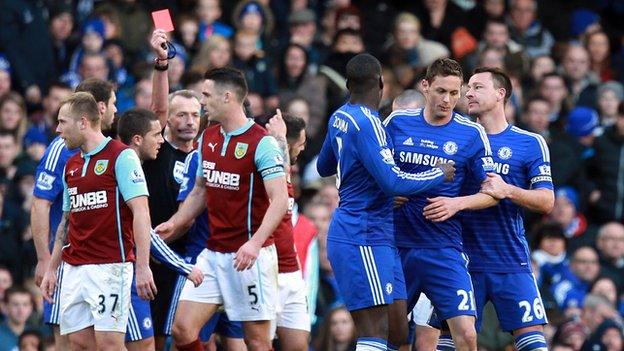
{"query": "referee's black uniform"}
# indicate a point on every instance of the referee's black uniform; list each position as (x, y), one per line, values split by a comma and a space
(164, 176)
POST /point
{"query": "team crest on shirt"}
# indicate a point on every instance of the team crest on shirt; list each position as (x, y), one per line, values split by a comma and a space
(241, 150)
(389, 288)
(504, 153)
(147, 323)
(450, 148)
(100, 166)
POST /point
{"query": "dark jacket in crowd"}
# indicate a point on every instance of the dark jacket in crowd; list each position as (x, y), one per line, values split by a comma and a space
(606, 170)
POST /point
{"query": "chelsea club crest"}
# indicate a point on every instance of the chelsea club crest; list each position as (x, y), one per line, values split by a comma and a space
(450, 148)
(504, 153)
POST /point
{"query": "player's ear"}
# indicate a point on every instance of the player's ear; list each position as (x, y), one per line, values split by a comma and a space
(424, 86)
(501, 93)
(101, 107)
(227, 96)
(137, 139)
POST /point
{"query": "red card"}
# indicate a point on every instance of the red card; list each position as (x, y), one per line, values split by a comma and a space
(162, 20)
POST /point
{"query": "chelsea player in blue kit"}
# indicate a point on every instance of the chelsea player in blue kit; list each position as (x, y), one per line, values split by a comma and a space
(494, 238)
(360, 242)
(427, 234)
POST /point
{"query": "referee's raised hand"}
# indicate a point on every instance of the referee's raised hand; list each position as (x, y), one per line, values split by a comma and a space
(145, 282)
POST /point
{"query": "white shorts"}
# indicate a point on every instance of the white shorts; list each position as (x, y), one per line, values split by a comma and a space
(292, 306)
(422, 311)
(96, 295)
(250, 295)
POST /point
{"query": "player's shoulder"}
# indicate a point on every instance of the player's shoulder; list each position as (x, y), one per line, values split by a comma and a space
(466, 123)
(55, 155)
(533, 141)
(399, 115)
(191, 157)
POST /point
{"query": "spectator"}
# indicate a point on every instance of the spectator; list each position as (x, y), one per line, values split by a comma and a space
(605, 172)
(527, 30)
(6, 280)
(35, 143)
(540, 65)
(143, 93)
(598, 47)
(496, 36)
(61, 27)
(349, 17)
(605, 287)
(177, 65)
(135, 24)
(92, 42)
(338, 332)
(255, 17)
(187, 32)
(607, 337)
(567, 213)
(582, 82)
(582, 124)
(570, 288)
(583, 21)
(18, 306)
(296, 80)
(114, 52)
(214, 52)
(91, 66)
(549, 251)
(13, 115)
(30, 340)
(45, 122)
(571, 334)
(610, 245)
(302, 24)
(5, 75)
(610, 95)
(553, 88)
(8, 152)
(209, 13)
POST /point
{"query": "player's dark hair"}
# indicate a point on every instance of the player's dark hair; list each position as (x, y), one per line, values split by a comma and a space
(363, 74)
(136, 121)
(81, 104)
(294, 126)
(100, 89)
(231, 78)
(443, 67)
(499, 77)
(14, 290)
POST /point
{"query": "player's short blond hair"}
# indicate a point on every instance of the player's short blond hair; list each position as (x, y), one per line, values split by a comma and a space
(82, 104)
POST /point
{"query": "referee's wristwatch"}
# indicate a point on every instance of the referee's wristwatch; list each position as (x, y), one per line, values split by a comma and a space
(159, 66)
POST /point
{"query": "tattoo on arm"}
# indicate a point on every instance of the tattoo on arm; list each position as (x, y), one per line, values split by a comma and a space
(63, 229)
(283, 144)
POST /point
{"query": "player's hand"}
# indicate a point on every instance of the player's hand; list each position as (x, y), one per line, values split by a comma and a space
(196, 276)
(449, 170)
(165, 230)
(276, 126)
(399, 201)
(441, 208)
(40, 270)
(157, 42)
(495, 186)
(145, 282)
(247, 255)
(48, 284)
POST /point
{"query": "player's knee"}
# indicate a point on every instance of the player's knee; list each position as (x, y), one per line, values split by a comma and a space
(257, 343)
(182, 333)
(467, 337)
(78, 343)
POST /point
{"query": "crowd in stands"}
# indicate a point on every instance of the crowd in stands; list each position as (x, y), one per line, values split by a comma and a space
(565, 58)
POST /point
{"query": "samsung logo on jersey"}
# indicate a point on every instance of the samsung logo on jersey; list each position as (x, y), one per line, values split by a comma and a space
(88, 201)
(223, 180)
(340, 124)
(420, 159)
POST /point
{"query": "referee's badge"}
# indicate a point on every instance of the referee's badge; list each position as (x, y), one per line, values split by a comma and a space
(241, 150)
(100, 167)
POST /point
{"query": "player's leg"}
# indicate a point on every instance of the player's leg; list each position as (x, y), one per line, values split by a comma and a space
(140, 331)
(165, 280)
(51, 314)
(293, 319)
(250, 296)
(75, 318)
(197, 305)
(82, 340)
(109, 341)
(449, 286)
(519, 308)
(230, 333)
(426, 337)
(398, 336)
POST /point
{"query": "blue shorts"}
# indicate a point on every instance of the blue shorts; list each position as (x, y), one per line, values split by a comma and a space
(140, 324)
(52, 312)
(442, 274)
(221, 325)
(367, 276)
(515, 297)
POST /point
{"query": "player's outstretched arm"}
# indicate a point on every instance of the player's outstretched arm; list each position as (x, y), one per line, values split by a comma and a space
(278, 205)
(541, 200)
(189, 209)
(40, 227)
(160, 81)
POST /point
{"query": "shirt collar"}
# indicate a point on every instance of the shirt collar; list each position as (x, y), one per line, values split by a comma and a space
(97, 148)
(240, 130)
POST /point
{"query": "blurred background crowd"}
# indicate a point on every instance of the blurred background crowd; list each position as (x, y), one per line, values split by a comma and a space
(565, 58)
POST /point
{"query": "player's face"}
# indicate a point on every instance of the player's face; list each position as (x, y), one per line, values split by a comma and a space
(69, 127)
(442, 95)
(150, 143)
(212, 101)
(482, 95)
(296, 147)
(184, 118)
(109, 113)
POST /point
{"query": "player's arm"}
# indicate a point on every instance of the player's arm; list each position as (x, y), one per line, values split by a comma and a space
(182, 220)
(160, 81)
(48, 284)
(540, 198)
(378, 159)
(277, 129)
(269, 164)
(326, 164)
(163, 253)
(40, 228)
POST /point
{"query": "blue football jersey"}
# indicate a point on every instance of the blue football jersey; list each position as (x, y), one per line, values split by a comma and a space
(358, 152)
(198, 234)
(494, 238)
(49, 180)
(418, 146)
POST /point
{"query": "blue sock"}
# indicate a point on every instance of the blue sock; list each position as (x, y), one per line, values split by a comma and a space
(531, 341)
(445, 343)
(392, 347)
(371, 344)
